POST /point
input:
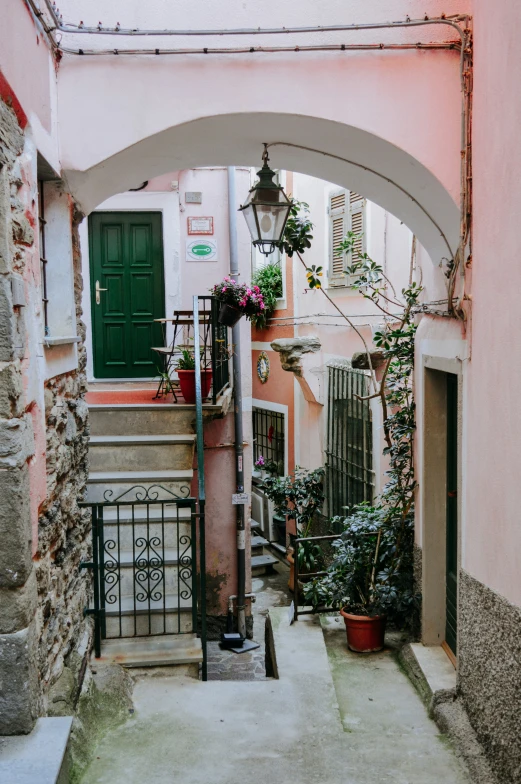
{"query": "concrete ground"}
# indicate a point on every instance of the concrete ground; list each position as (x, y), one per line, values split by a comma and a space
(331, 717)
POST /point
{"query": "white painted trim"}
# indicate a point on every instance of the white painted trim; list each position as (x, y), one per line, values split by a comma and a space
(257, 345)
(144, 201)
(278, 408)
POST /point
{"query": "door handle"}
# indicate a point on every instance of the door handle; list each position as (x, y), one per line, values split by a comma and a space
(98, 298)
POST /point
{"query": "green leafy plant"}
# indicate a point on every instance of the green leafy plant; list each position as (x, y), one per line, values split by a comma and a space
(373, 570)
(186, 361)
(268, 279)
(369, 574)
(297, 232)
(299, 497)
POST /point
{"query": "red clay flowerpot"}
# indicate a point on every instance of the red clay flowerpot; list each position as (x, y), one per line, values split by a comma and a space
(187, 384)
(365, 634)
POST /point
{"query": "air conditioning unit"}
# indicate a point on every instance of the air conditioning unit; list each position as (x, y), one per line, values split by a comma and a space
(262, 513)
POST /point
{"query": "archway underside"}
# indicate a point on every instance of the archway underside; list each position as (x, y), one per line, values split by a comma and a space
(340, 153)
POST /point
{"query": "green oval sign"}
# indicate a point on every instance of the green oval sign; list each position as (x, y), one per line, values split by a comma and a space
(201, 250)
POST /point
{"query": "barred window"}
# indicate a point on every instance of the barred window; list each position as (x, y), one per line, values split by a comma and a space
(268, 438)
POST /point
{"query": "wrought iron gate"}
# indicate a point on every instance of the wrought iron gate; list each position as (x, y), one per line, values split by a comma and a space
(349, 453)
(144, 562)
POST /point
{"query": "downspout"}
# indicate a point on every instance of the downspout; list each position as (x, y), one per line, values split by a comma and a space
(237, 385)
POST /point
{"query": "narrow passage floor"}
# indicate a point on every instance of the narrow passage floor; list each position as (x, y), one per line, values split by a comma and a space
(332, 717)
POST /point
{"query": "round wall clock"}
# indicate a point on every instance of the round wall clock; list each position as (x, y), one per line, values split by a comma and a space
(263, 367)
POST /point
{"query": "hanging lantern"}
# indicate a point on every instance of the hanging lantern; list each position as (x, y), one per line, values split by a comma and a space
(266, 209)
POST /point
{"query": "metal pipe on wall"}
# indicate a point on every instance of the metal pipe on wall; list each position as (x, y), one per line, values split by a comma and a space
(237, 387)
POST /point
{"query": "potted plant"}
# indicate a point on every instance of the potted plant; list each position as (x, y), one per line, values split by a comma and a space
(237, 300)
(186, 372)
(269, 281)
(369, 580)
(298, 498)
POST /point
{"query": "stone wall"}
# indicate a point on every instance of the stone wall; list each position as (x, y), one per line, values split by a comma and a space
(44, 637)
(489, 667)
(18, 671)
(64, 531)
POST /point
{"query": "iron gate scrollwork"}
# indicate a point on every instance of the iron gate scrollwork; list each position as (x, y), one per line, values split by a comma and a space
(144, 563)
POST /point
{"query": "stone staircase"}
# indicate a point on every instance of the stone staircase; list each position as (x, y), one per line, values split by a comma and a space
(145, 445)
(262, 562)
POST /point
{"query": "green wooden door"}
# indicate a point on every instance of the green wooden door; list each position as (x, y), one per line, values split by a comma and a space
(126, 259)
(451, 622)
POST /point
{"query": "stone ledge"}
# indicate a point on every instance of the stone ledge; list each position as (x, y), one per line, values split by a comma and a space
(37, 757)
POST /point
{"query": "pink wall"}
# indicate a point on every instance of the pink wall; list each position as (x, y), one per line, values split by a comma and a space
(493, 533)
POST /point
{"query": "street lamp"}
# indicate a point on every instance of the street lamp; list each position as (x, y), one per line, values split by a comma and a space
(266, 209)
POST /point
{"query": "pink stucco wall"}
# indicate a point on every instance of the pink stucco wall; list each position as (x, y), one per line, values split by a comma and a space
(493, 538)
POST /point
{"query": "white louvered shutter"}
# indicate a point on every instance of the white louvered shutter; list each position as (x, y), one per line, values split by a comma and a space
(346, 213)
(338, 220)
(357, 224)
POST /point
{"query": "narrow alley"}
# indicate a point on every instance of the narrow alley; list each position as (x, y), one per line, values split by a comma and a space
(329, 716)
(259, 438)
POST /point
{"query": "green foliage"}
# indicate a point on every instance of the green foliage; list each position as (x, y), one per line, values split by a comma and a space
(373, 569)
(299, 497)
(297, 232)
(269, 281)
(186, 361)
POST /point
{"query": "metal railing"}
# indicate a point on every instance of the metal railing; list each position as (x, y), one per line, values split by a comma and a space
(201, 501)
(144, 556)
(215, 349)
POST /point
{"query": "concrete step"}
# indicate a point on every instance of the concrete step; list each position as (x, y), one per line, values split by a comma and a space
(141, 419)
(262, 564)
(174, 618)
(257, 545)
(144, 453)
(178, 481)
(155, 651)
(172, 604)
(38, 756)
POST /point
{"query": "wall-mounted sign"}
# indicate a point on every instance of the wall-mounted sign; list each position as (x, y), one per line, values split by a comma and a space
(201, 250)
(263, 367)
(193, 197)
(200, 225)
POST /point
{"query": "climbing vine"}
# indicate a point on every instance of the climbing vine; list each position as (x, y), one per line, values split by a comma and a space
(386, 583)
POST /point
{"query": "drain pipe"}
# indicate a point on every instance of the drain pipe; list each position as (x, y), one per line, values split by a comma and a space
(237, 386)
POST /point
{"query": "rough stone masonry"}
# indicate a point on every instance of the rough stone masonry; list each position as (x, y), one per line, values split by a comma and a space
(44, 637)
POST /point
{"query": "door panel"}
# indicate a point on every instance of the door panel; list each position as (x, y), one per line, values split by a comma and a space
(126, 258)
(451, 605)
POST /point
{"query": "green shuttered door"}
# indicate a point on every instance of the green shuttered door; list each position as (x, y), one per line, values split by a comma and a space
(126, 257)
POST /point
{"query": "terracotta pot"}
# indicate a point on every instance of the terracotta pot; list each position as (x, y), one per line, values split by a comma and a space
(365, 634)
(187, 384)
(229, 315)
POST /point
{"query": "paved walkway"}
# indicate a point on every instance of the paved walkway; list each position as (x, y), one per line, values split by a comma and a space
(271, 591)
(331, 718)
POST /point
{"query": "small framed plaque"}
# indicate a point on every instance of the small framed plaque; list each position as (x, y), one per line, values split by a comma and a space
(200, 225)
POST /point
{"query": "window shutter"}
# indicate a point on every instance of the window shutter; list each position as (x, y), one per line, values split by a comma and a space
(357, 216)
(346, 213)
(338, 226)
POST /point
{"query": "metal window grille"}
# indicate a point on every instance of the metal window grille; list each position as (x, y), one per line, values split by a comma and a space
(268, 437)
(43, 259)
(349, 458)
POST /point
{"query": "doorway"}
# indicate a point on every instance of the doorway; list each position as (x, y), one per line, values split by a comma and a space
(451, 557)
(127, 292)
(440, 503)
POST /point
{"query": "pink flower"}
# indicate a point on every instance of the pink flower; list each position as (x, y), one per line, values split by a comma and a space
(261, 305)
(224, 289)
(248, 292)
